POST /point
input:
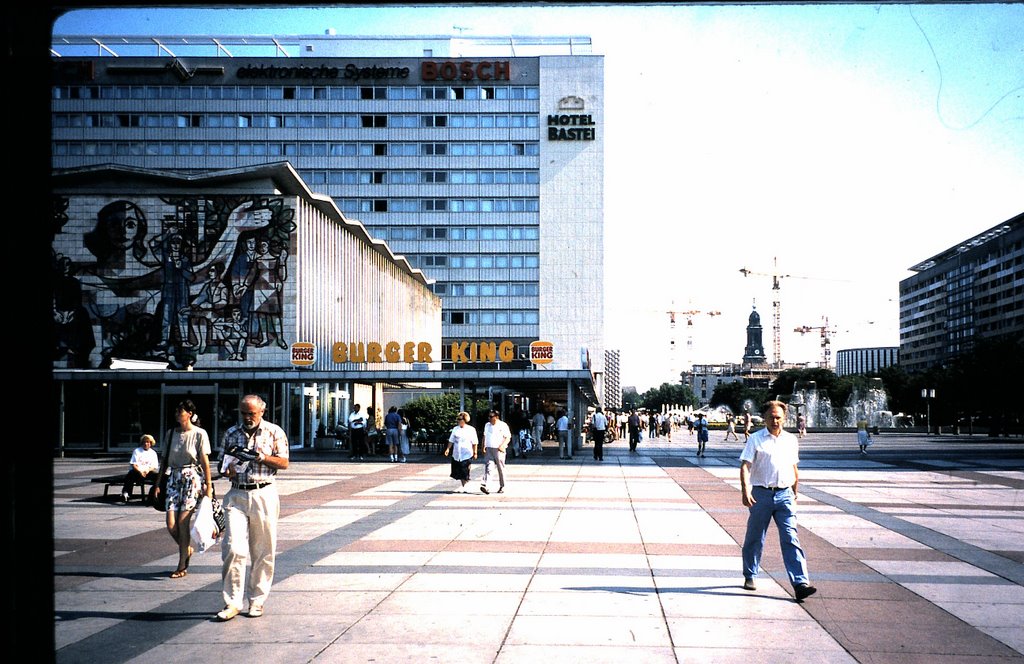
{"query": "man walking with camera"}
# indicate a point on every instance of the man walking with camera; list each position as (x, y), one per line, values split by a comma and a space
(253, 453)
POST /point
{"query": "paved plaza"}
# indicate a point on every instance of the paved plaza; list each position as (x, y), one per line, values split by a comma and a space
(917, 551)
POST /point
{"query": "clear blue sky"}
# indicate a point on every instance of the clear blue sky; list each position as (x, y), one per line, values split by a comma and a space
(850, 142)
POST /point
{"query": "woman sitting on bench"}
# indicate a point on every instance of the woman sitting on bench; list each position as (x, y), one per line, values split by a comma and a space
(144, 465)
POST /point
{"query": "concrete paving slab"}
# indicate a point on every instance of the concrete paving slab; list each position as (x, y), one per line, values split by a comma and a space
(916, 553)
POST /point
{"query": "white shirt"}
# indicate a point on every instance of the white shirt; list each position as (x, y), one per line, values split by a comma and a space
(497, 435)
(599, 421)
(356, 420)
(771, 458)
(563, 423)
(146, 460)
(463, 440)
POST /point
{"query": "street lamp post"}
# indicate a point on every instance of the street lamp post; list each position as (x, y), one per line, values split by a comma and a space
(928, 394)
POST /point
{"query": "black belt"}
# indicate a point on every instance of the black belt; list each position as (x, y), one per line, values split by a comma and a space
(774, 488)
(250, 486)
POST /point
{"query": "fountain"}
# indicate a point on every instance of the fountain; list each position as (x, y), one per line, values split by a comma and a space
(871, 405)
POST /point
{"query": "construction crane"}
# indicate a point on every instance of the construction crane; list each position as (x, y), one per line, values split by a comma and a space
(673, 367)
(776, 307)
(777, 278)
(826, 341)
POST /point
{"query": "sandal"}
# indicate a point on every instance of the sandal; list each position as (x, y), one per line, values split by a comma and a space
(179, 573)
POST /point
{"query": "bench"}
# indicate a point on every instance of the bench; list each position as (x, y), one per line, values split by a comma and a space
(118, 481)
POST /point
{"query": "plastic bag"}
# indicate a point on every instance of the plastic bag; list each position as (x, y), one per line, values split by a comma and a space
(204, 527)
(219, 517)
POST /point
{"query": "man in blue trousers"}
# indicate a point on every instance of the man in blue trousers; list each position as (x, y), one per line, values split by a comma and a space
(768, 480)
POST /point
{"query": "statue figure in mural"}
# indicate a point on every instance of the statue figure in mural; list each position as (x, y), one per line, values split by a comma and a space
(234, 331)
(239, 275)
(75, 339)
(266, 280)
(118, 289)
(174, 310)
(207, 307)
(120, 231)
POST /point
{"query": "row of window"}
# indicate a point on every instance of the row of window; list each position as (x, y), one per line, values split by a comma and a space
(294, 92)
(482, 205)
(292, 120)
(462, 261)
(336, 176)
(462, 233)
(302, 149)
(486, 317)
(487, 289)
(1007, 265)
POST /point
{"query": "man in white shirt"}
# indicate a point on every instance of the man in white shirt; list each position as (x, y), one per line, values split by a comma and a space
(538, 429)
(768, 480)
(357, 433)
(562, 428)
(496, 439)
(144, 464)
(599, 424)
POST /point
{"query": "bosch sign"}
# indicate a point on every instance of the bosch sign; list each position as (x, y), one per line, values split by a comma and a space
(465, 71)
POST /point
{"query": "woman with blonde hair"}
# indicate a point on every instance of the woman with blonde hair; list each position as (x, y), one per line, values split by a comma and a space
(462, 446)
(187, 463)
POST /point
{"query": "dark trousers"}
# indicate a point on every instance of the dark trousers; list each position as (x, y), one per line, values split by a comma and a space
(359, 442)
(133, 477)
(598, 444)
(634, 439)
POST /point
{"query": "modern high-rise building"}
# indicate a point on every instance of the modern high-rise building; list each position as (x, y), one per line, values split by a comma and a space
(478, 160)
(967, 294)
(853, 361)
(612, 380)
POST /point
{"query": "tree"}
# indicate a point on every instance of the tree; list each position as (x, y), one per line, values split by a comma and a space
(439, 412)
(630, 399)
(668, 394)
(790, 379)
(735, 393)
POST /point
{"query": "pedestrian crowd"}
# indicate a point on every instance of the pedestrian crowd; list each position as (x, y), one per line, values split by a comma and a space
(255, 450)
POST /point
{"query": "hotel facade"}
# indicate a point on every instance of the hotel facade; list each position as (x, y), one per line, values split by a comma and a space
(477, 163)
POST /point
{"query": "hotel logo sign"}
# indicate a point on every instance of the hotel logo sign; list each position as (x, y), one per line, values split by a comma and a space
(570, 125)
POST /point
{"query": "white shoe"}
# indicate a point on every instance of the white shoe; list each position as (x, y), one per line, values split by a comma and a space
(227, 613)
(255, 610)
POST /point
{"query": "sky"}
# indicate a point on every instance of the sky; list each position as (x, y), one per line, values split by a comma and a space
(834, 145)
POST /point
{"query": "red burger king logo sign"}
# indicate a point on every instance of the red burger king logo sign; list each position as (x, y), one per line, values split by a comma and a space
(542, 352)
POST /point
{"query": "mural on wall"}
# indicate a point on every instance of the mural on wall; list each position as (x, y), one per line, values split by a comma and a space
(174, 280)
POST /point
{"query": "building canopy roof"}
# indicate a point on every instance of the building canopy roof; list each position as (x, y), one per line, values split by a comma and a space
(281, 175)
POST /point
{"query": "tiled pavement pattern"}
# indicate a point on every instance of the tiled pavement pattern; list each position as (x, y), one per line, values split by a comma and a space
(917, 551)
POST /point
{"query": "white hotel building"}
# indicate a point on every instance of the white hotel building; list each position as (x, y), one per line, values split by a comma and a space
(479, 161)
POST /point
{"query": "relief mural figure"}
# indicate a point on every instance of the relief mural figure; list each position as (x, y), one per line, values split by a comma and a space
(207, 283)
(75, 339)
(267, 276)
(206, 308)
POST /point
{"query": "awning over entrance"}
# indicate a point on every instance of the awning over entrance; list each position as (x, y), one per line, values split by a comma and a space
(533, 381)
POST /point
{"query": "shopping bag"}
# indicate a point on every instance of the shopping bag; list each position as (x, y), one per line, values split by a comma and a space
(219, 517)
(204, 526)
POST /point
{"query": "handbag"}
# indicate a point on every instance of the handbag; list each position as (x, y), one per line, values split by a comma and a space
(159, 503)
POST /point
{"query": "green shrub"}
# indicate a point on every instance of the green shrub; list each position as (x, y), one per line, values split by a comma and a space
(439, 412)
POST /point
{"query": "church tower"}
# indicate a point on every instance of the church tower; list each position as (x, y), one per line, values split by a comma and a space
(754, 352)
